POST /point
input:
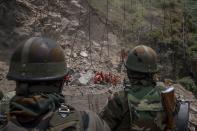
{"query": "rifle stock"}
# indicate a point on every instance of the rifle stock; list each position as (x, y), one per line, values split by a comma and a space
(169, 104)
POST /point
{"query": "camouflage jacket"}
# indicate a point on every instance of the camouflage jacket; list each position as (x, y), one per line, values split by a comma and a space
(54, 121)
(4, 107)
(119, 115)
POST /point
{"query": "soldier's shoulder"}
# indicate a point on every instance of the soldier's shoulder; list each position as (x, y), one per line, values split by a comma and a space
(92, 121)
(118, 95)
(76, 120)
(161, 85)
(65, 117)
(117, 100)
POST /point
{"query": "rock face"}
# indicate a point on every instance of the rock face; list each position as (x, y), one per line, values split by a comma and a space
(79, 31)
(72, 23)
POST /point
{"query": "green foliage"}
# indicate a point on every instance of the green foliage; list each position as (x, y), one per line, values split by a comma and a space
(156, 35)
(143, 17)
(188, 83)
(168, 4)
(155, 21)
(191, 8)
(152, 22)
(191, 21)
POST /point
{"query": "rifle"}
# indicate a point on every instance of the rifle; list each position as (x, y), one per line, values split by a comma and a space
(169, 104)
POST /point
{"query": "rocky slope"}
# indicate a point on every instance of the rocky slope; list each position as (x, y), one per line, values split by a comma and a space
(73, 23)
(68, 22)
(166, 25)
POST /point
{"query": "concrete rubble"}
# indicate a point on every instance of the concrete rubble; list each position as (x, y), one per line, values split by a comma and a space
(86, 77)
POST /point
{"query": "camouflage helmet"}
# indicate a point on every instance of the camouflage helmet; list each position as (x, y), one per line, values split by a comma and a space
(37, 59)
(142, 59)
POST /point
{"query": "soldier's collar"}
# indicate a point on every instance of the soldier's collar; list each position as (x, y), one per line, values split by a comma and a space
(146, 83)
(142, 83)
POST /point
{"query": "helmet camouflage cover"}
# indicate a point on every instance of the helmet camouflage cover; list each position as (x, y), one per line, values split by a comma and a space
(142, 59)
(37, 59)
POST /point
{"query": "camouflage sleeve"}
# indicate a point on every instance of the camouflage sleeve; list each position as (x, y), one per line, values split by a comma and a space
(114, 111)
(96, 123)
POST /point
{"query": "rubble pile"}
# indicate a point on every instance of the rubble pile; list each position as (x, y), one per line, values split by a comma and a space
(65, 21)
(69, 23)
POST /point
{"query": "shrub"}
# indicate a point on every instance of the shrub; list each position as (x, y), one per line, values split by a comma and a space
(188, 83)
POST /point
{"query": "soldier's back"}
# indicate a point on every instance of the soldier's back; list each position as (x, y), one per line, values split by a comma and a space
(124, 108)
(61, 120)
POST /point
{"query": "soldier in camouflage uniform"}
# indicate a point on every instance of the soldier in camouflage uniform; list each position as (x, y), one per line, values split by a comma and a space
(39, 68)
(139, 106)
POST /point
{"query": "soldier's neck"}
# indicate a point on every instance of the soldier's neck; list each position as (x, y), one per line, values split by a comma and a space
(142, 82)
